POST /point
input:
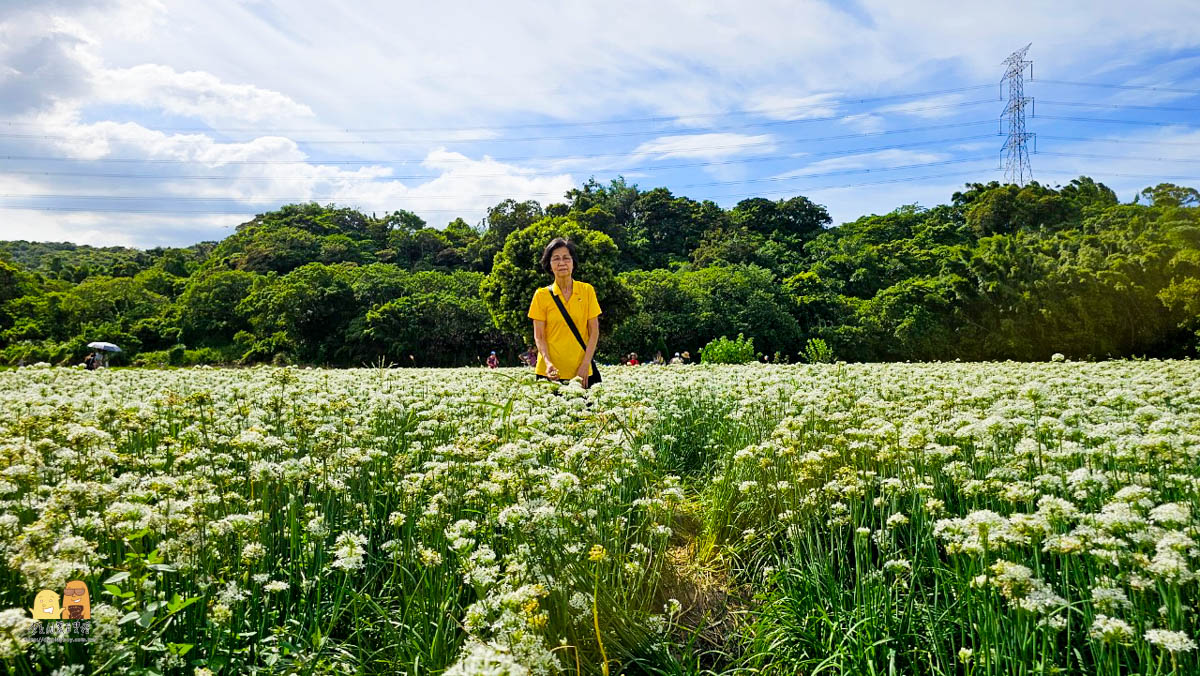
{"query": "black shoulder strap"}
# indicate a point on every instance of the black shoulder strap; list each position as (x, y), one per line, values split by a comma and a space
(570, 322)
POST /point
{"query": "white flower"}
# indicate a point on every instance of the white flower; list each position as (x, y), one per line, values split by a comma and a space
(253, 551)
(1171, 641)
(1109, 599)
(1171, 514)
(480, 659)
(349, 551)
(15, 628)
(316, 526)
(1110, 630)
(430, 557)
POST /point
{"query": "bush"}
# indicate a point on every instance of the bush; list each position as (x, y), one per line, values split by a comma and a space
(817, 351)
(725, 351)
(180, 356)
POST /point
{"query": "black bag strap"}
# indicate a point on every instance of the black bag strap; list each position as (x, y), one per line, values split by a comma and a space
(570, 322)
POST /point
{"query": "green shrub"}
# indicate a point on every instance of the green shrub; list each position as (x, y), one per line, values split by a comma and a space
(153, 358)
(209, 355)
(725, 351)
(817, 351)
(179, 355)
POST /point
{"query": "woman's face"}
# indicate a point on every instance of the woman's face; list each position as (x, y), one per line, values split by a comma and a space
(561, 263)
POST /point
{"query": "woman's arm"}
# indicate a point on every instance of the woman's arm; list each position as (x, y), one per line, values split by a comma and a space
(539, 339)
(593, 327)
(593, 335)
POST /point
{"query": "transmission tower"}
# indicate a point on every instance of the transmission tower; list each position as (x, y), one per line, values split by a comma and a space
(1016, 146)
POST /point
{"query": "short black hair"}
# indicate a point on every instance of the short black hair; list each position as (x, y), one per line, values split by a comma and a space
(556, 243)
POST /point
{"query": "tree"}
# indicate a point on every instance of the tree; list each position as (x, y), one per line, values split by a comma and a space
(209, 311)
(795, 219)
(303, 314)
(1171, 195)
(278, 250)
(1006, 209)
(503, 219)
(14, 283)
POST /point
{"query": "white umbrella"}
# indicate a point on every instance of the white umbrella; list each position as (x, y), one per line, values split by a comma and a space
(107, 347)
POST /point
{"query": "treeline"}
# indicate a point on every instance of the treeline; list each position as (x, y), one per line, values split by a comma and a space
(1001, 272)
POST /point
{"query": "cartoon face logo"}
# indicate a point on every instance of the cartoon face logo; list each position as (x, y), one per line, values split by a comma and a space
(77, 604)
(45, 605)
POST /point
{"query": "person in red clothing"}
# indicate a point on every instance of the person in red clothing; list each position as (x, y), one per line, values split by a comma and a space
(492, 361)
(633, 360)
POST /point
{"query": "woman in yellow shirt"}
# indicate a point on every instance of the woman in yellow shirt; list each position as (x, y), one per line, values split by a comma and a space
(560, 356)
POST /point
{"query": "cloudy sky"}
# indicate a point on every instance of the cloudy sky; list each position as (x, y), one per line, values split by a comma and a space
(156, 122)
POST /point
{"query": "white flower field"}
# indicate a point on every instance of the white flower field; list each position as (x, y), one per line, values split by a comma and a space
(947, 518)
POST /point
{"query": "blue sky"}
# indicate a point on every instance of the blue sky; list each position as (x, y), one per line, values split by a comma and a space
(147, 123)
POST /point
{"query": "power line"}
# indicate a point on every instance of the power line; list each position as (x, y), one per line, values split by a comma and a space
(1117, 106)
(1116, 86)
(538, 125)
(560, 158)
(288, 198)
(1118, 157)
(1111, 121)
(247, 212)
(530, 139)
(1118, 140)
(1150, 176)
(660, 167)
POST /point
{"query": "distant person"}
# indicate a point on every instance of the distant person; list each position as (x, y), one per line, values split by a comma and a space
(90, 362)
(530, 357)
(633, 359)
(687, 358)
(676, 359)
(566, 319)
(658, 358)
(492, 361)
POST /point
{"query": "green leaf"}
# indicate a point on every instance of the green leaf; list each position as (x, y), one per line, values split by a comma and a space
(177, 604)
(117, 578)
(128, 617)
(146, 618)
(180, 649)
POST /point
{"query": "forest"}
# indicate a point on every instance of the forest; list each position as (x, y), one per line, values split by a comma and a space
(1000, 272)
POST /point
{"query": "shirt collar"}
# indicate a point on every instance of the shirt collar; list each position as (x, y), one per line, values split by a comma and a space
(574, 288)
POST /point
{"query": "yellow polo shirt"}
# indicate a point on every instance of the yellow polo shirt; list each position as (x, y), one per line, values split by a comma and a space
(565, 351)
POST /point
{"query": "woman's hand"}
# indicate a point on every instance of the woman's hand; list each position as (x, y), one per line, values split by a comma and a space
(551, 370)
(583, 373)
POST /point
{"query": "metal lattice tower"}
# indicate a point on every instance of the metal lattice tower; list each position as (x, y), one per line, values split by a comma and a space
(1016, 165)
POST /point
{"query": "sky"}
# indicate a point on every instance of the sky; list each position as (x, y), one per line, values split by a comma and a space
(159, 123)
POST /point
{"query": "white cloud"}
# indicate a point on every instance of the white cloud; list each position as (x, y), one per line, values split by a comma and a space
(795, 107)
(193, 94)
(272, 65)
(932, 107)
(875, 160)
(863, 122)
(124, 229)
(707, 146)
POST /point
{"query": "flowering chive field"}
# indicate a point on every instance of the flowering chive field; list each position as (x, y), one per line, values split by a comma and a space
(934, 519)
